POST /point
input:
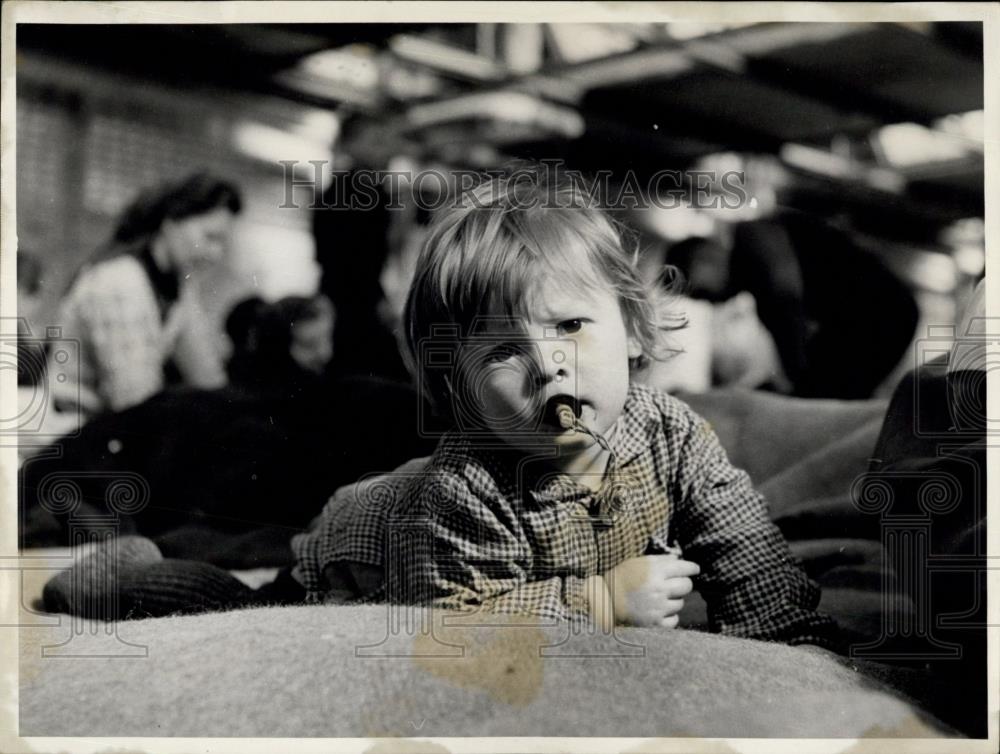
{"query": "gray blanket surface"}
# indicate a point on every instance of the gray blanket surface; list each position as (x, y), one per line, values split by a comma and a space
(338, 671)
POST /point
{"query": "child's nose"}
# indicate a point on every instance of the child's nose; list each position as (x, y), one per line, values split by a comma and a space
(555, 363)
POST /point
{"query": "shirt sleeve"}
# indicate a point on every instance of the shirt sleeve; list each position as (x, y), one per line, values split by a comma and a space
(463, 552)
(125, 332)
(750, 580)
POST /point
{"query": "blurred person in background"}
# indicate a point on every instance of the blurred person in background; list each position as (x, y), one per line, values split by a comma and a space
(787, 301)
(724, 343)
(353, 244)
(284, 358)
(132, 306)
(280, 348)
(234, 472)
(838, 320)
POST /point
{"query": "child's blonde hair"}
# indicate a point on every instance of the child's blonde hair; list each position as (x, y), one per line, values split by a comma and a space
(484, 258)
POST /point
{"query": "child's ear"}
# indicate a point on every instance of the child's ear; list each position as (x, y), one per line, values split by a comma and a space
(634, 347)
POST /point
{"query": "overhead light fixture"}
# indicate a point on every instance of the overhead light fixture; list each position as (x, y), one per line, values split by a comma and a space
(446, 58)
(353, 66)
(505, 107)
(762, 38)
(815, 160)
(631, 67)
(684, 30)
(910, 144)
(408, 83)
(822, 162)
(577, 43)
(968, 126)
(270, 144)
(345, 74)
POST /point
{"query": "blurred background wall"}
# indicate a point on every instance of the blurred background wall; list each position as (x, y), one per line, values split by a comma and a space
(875, 129)
(89, 140)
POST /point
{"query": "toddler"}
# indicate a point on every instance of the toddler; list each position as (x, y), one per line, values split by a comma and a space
(564, 488)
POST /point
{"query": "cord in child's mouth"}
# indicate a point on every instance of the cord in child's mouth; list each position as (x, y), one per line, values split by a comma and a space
(564, 410)
(565, 415)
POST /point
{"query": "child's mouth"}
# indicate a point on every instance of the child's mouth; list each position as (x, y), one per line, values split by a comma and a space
(562, 411)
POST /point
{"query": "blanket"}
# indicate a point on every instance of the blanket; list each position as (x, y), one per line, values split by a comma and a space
(225, 476)
(345, 671)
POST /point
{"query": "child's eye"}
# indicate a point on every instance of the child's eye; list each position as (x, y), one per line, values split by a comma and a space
(502, 352)
(570, 326)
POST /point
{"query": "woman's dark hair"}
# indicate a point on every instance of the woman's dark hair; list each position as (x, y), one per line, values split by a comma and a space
(194, 195)
(139, 222)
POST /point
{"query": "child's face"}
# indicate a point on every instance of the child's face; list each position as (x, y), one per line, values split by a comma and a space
(312, 343)
(574, 344)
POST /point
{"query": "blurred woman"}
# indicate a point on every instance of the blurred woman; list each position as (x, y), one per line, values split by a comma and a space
(132, 308)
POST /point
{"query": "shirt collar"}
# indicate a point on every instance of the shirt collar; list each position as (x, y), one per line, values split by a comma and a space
(637, 425)
(165, 283)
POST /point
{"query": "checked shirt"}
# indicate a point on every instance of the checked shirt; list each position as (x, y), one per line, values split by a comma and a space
(471, 529)
(124, 340)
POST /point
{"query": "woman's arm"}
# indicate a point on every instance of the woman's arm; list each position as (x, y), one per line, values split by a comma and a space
(196, 349)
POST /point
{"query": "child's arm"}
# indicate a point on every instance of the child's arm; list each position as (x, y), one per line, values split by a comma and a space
(750, 581)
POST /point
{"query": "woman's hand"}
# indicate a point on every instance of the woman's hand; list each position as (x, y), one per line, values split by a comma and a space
(648, 590)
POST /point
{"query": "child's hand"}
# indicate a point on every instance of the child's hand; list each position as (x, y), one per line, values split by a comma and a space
(648, 590)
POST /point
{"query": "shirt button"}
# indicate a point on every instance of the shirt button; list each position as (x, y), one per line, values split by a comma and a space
(619, 503)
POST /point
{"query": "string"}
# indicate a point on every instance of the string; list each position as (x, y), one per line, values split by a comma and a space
(568, 420)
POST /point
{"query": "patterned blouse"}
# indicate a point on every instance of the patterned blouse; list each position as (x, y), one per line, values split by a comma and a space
(122, 336)
(472, 529)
